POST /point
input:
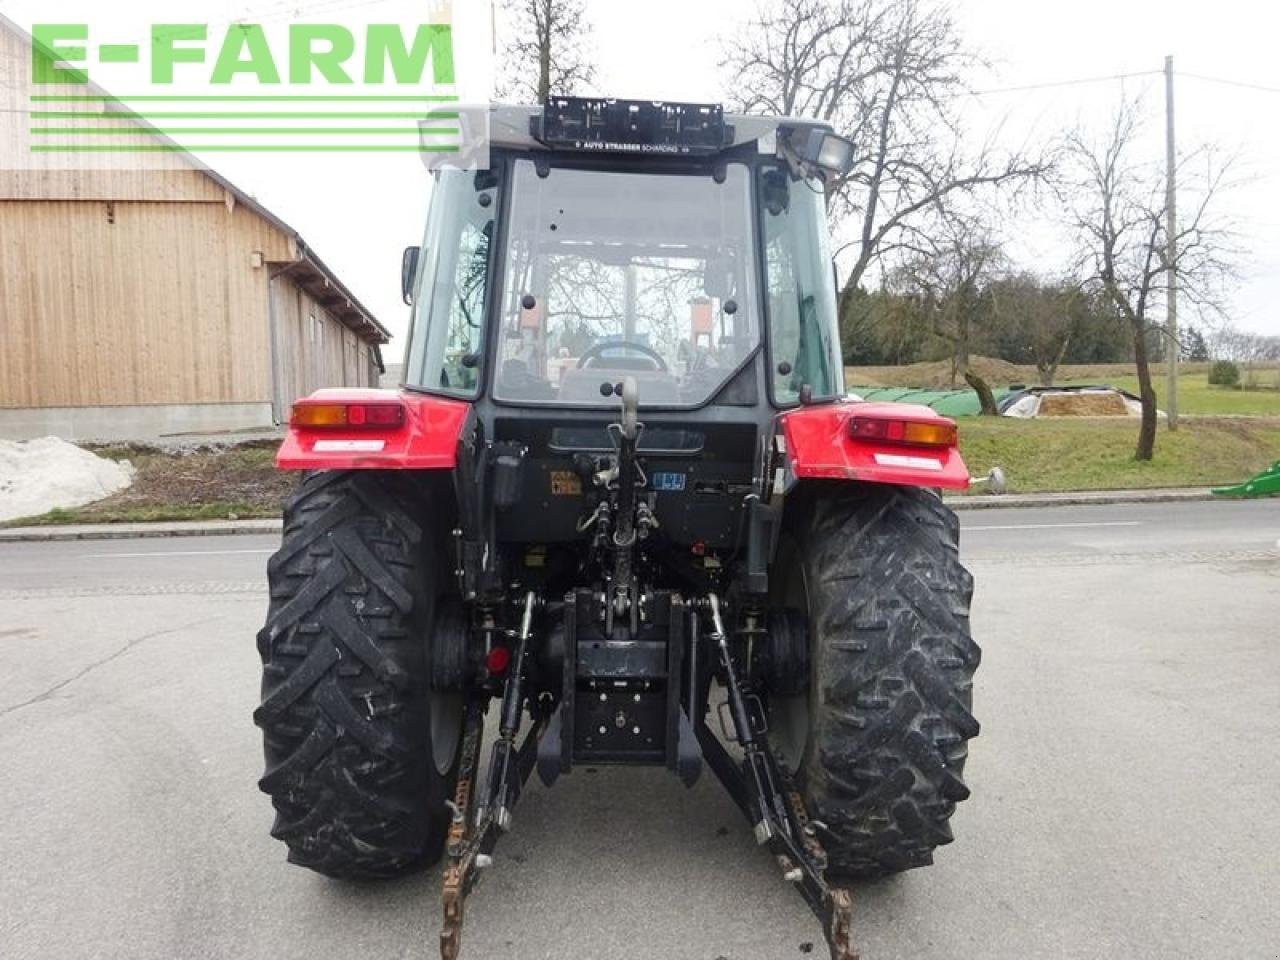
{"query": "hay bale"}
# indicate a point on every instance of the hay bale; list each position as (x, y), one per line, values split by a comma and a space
(1100, 403)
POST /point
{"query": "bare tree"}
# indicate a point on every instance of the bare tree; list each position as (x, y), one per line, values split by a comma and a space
(806, 58)
(948, 281)
(546, 49)
(886, 73)
(1239, 346)
(1118, 210)
(1046, 314)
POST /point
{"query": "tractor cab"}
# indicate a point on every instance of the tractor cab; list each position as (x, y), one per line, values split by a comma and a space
(612, 239)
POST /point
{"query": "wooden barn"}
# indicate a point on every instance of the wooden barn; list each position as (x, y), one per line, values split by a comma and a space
(148, 296)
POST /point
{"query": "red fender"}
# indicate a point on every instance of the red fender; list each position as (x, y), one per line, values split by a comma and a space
(425, 439)
(820, 446)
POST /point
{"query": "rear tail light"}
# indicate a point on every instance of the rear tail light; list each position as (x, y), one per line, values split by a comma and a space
(373, 416)
(908, 432)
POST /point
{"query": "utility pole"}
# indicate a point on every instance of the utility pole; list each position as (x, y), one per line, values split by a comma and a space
(1171, 253)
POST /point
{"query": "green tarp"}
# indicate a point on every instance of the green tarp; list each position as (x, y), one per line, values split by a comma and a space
(950, 403)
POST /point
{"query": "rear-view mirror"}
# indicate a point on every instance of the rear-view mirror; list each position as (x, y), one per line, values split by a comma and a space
(408, 272)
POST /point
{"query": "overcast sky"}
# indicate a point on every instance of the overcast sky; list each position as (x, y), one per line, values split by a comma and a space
(359, 215)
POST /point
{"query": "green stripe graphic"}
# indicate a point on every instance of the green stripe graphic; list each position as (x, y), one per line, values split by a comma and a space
(242, 98)
(118, 53)
(310, 131)
(246, 148)
(54, 114)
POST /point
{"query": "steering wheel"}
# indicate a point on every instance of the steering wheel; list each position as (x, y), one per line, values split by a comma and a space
(598, 349)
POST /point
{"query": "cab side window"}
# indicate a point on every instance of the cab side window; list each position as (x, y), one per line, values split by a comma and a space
(446, 342)
(801, 295)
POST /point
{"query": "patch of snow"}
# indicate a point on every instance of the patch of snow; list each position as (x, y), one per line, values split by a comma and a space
(37, 476)
(1025, 408)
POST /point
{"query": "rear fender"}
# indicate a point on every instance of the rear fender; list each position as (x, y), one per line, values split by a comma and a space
(819, 446)
(426, 440)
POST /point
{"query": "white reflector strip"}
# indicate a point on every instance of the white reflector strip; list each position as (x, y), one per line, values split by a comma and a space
(349, 446)
(915, 463)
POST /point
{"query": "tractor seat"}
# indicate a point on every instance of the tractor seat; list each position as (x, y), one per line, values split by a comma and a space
(639, 364)
(583, 385)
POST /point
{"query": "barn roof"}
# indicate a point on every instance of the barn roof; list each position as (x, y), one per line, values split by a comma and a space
(308, 270)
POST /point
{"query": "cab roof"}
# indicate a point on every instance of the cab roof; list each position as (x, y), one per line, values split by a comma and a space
(511, 126)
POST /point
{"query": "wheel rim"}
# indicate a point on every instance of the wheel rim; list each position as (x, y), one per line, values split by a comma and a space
(446, 729)
(790, 718)
(789, 727)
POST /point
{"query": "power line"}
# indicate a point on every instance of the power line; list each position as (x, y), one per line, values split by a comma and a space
(1051, 84)
(1230, 83)
(1064, 83)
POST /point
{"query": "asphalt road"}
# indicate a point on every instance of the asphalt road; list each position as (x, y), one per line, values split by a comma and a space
(1125, 783)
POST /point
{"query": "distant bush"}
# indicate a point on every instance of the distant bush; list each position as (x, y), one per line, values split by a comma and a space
(1255, 379)
(1224, 373)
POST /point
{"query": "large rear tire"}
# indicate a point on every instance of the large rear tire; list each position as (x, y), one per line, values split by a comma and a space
(361, 754)
(878, 742)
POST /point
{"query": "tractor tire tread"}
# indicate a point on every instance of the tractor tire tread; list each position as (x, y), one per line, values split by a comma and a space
(345, 681)
(895, 664)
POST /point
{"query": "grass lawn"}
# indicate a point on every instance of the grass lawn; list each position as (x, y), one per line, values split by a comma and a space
(1195, 396)
(223, 484)
(1097, 454)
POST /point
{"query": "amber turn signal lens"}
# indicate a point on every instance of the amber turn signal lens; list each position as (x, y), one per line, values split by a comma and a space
(930, 434)
(319, 415)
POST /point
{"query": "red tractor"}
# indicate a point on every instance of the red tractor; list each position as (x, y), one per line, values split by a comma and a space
(622, 497)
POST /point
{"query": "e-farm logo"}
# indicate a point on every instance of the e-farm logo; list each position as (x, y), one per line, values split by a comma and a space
(307, 87)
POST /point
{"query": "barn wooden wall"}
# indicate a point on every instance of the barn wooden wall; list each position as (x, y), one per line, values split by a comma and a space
(319, 353)
(122, 302)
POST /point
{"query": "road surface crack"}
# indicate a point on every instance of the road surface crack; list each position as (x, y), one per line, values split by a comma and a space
(85, 671)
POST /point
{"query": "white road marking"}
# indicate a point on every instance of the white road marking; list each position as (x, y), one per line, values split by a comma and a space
(229, 553)
(1056, 526)
(169, 553)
